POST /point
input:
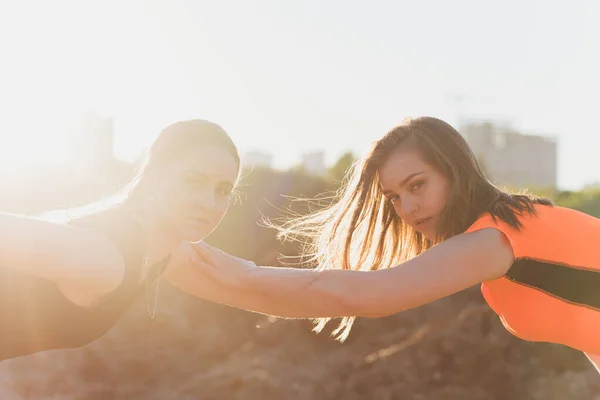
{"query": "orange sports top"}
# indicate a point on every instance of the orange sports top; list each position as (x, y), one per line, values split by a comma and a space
(552, 291)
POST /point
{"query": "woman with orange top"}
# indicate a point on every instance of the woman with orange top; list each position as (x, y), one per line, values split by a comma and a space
(417, 221)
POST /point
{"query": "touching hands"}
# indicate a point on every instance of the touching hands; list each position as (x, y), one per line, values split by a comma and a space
(226, 270)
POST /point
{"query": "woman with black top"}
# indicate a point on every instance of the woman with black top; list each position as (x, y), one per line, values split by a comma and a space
(63, 285)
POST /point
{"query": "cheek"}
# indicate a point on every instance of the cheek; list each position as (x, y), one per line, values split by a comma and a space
(220, 210)
(442, 195)
(172, 205)
(435, 197)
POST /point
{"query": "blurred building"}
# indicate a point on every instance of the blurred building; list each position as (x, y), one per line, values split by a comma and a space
(592, 186)
(257, 159)
(511, 158)
(314, 163)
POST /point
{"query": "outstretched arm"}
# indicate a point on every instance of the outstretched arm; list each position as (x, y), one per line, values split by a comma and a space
(82, 263)
(447, 268)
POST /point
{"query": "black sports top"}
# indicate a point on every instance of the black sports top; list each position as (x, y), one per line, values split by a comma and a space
(34, 314)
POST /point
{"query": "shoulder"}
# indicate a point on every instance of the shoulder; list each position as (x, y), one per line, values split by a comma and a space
(542, 215)
(112, 245)
(550, 232)
(467, 259)
(488, 249)
(524, 218)
(116, 226)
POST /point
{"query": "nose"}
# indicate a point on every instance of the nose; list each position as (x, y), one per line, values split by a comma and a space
(205, 199)
(408, 206)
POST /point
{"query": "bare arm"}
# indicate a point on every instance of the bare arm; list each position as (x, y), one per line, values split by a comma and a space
(454, 265)
(76, 260)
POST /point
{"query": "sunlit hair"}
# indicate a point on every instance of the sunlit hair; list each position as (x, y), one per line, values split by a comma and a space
(171, 142)
(361, 230)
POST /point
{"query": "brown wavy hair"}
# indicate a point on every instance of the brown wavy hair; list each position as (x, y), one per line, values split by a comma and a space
(361, 231)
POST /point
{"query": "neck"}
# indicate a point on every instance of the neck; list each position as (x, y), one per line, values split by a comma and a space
(159, 243)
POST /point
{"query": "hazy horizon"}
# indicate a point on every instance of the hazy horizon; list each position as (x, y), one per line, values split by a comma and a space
(294, 77)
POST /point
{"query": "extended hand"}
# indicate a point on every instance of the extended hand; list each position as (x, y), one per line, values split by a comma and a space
(225, 269)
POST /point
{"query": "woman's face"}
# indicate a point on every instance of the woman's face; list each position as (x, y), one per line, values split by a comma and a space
(418, 191)
(192, 194)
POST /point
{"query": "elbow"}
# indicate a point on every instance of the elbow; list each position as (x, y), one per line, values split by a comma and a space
(365, 303)
(338, 297)
(356, 307)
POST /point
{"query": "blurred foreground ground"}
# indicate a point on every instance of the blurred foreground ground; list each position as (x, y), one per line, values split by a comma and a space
(455, 348)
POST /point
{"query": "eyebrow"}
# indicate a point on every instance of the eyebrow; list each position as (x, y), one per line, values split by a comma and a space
(404, 181)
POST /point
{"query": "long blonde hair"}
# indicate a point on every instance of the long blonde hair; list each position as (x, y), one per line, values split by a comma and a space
(361, 231)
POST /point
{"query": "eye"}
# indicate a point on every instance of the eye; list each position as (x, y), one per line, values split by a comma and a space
(224, 191)
(416, 186)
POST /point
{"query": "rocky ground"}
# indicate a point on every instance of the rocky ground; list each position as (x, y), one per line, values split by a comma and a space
(452, 349)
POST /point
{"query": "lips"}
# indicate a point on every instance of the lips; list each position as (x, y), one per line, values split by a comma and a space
(421, 221)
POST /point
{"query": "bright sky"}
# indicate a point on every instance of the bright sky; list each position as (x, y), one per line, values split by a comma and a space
(294, 76)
